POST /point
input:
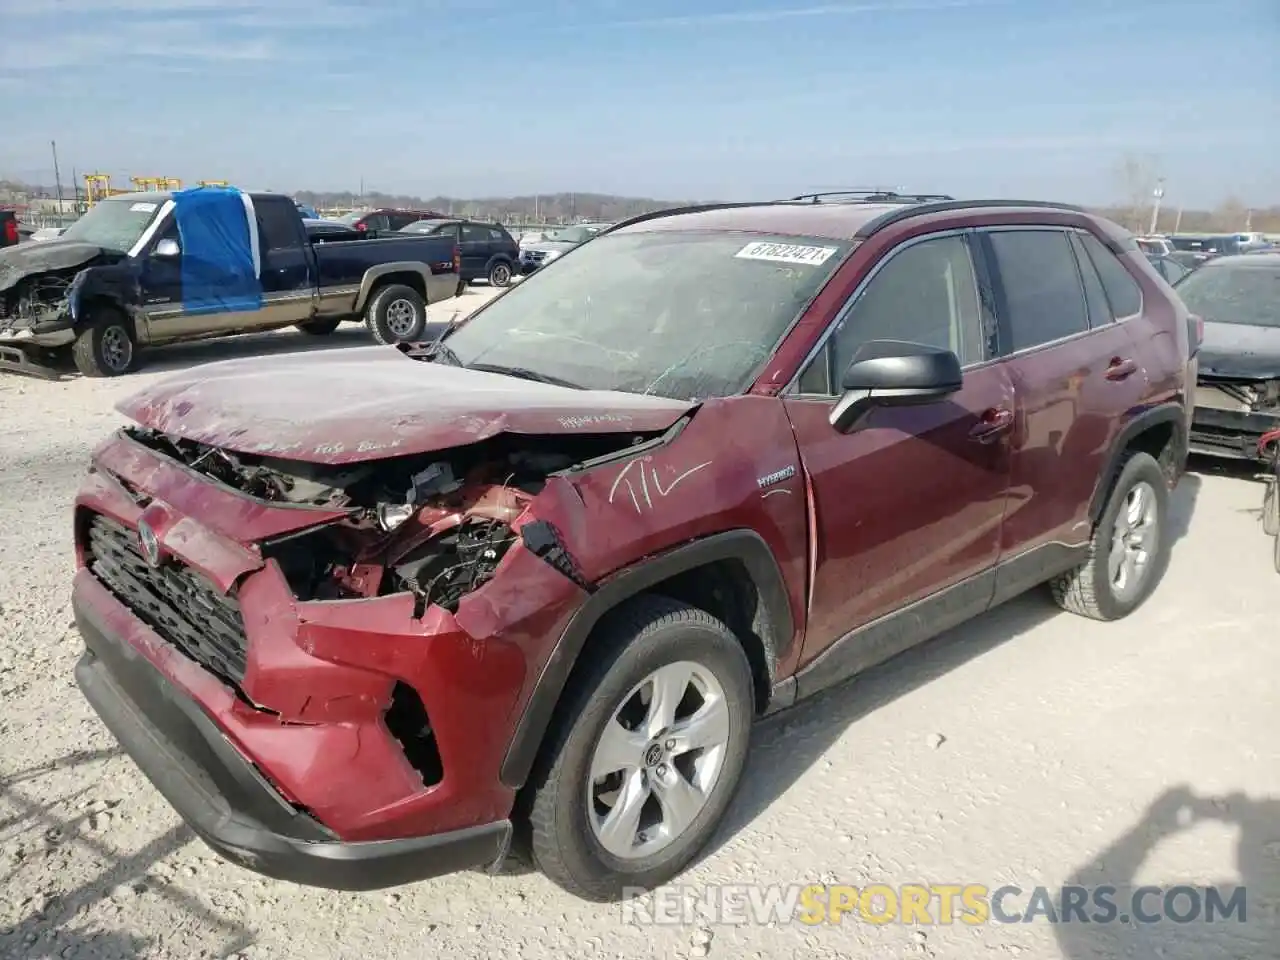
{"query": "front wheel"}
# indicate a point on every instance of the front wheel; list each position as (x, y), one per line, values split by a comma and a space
(1130, 547)
(107, 346)
(500, 274)
(646, 757)
(396, 314)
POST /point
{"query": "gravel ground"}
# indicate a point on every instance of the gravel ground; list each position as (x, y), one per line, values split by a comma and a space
(1028, 747)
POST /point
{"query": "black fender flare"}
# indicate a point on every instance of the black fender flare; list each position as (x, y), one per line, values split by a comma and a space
(1165, 413)
(746, 546)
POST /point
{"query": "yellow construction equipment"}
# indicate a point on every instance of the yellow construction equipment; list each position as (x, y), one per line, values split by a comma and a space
(212, 183)
(97, 186)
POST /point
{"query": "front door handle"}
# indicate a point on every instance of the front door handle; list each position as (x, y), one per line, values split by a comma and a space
(993, 424)
(1121, 368)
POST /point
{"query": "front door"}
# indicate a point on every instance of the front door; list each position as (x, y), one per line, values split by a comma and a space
(907, 508)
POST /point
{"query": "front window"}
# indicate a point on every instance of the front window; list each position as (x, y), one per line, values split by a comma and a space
(1234, 293)
(115, 224)
(675, 314)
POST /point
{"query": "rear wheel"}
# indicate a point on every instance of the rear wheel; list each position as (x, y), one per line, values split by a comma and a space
(319, 327)
(106, 347)
(1130, 547)
(500, 274)
(647, 753)
(1271, 508)
(396, 314)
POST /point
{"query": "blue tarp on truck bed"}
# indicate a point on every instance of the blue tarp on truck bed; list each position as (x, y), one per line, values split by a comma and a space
(219, 237)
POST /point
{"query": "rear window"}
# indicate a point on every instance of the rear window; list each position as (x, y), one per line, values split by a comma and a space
(1234, 293)
(684, 315)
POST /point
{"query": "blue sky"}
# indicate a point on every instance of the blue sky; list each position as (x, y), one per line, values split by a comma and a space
(705, 98)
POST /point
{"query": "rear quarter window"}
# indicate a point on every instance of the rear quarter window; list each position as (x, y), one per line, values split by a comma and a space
(1123, 292)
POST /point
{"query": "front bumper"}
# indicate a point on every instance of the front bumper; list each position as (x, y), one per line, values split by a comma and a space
(224, 798)
(1229, 434)
(25, 352)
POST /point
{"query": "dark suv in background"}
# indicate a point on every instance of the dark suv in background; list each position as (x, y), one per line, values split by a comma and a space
(535, 588)
(376, 221)
(488, 251)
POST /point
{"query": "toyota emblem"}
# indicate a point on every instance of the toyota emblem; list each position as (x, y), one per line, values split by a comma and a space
(150, 543)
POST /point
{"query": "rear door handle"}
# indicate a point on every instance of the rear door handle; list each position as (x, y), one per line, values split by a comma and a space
(993, 424)
(1121, 368)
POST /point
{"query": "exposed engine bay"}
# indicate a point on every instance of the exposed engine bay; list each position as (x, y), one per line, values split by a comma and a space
(435, 525)
(1239, 395)
(41, 298)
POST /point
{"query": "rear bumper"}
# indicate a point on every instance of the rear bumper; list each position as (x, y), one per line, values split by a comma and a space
(1229, 434)
(224, 798)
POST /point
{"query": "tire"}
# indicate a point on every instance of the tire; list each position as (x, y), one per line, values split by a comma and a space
(1090, 590)
(462, 288)
(500, 274)
(637, 641)
(1271, 508)
(396, 314)
(1275, 553)
(319, 327)
(106, 347)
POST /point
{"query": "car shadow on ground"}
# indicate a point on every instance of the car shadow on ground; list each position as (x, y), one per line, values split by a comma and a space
(785, 746)
(1186, 930)
(51, 924)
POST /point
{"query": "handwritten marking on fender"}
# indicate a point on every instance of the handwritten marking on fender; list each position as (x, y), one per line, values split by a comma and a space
(635, 470)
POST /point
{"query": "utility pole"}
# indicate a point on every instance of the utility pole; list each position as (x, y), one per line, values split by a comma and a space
(1177, 223)
(1158, 194)
(57, 177)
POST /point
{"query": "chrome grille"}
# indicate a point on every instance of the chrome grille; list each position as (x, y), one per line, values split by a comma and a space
(175, 601)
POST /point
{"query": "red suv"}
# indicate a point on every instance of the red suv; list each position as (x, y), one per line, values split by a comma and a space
(370, 616)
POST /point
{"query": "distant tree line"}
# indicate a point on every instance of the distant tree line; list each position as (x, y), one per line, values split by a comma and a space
(1134, 212)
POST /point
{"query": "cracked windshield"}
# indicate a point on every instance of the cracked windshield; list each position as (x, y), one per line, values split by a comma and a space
(733, 479)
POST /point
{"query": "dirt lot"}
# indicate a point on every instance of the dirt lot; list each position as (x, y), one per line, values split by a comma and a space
(1029, 747)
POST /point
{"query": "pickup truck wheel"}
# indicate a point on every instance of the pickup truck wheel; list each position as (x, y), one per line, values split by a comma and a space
(107, 346)
(1271, 508)
(396, 314)
(320, 327)
(1130, 547)
(500, 274)
(645, 754)
(462, 288)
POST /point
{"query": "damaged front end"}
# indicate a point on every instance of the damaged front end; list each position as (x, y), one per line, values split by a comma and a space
(436, 526)
(39, 295)
(341, 623)
(1232, 413)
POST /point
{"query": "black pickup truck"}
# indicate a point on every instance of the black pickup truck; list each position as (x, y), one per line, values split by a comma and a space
(153, 268)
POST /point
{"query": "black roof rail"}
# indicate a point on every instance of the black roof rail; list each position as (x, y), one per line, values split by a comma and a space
(944, 206)
(873, 196)
(691, 208)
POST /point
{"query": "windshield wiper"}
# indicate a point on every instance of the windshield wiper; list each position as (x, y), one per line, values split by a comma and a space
(431, 350)
(524, 373)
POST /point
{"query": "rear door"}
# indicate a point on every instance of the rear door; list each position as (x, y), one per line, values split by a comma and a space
(911, 502)
(288, 286)
(474, 244)
(1076, 375)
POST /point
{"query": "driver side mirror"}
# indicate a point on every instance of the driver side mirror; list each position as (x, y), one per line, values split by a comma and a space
(893, 373)
(167, 249)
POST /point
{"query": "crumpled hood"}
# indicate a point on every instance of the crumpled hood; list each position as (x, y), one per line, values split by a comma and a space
(369, 403)
(31, 258)
(1240, 351)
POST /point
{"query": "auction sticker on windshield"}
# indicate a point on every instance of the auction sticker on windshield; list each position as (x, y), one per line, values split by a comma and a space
(143, 208)
(785, 253)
